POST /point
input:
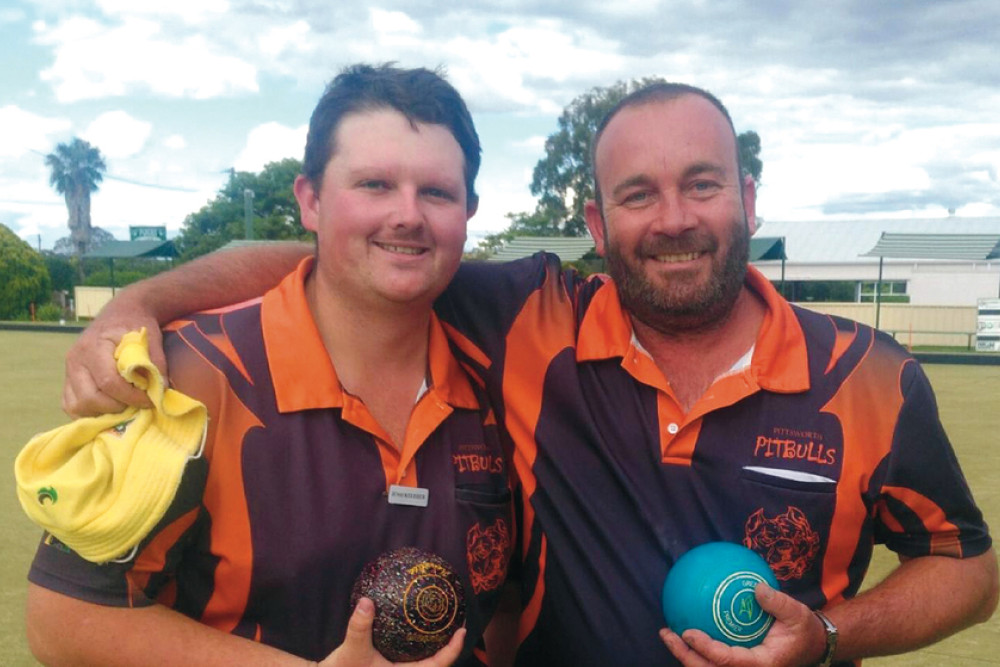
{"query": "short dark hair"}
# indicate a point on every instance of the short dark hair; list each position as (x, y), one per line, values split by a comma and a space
(422, 95)
(660, 91)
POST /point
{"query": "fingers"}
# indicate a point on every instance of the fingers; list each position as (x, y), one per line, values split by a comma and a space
(784, 608)
(447, 655)
(680, 649)
(92, 384)
(357, 648)
(99, 390)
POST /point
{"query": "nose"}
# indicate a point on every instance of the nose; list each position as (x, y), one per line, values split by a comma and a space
(672, 215)
(408, 211)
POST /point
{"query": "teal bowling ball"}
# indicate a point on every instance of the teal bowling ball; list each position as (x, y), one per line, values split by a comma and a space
(711, 588)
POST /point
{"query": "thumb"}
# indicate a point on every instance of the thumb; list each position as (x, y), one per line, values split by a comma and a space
(358, 641)
(782, 607)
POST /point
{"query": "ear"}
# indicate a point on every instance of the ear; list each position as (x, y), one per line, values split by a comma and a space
(308, 199)
(471, 206)
(595, 223)
(750, 203)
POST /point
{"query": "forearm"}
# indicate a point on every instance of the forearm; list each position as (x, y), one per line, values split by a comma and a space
(93, 385)
(921, 602)
(65, 631)
(211, 281)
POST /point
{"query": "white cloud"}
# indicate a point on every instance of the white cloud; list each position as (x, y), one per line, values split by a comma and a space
(389, 22)
(117, 134)
(512, 62)
(94, 61)
(190, 11)
(278, 40)
(271, 142)
(175, 142)
(22, 131)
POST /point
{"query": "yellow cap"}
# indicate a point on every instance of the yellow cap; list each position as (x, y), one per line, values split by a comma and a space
(100, 484)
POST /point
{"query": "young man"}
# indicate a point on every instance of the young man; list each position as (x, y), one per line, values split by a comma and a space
(332, 400)
(684, 401)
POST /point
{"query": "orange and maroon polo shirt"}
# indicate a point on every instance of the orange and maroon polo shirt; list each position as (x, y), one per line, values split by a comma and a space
(827, 443)
(271, 527)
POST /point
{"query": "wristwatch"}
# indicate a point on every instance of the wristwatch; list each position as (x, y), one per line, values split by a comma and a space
(831, 639)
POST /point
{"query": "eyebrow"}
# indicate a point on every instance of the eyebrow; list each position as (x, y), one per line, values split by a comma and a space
(699, 168)
(696, 169)
(630, 182)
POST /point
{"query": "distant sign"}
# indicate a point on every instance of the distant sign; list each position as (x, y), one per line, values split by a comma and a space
(147, 233)
(988, 326)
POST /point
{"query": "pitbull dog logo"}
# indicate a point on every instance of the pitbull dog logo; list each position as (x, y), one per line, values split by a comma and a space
(486, 551)
(787, 542)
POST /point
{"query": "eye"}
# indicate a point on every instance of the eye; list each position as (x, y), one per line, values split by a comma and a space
(439, 193)
(636, 198)
(702, 187)
(374, 184)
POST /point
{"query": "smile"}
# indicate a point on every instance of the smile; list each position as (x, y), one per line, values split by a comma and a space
(673, 259)
(403, 250)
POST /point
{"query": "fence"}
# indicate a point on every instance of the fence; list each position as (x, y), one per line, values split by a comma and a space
(952, 326)
(90, 300)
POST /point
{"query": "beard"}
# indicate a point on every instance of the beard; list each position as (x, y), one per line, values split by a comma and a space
(685, 305)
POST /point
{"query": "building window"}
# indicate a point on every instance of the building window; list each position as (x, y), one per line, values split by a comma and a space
(819, 291)
(893, 291)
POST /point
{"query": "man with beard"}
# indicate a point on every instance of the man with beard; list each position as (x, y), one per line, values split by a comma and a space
(684, 401)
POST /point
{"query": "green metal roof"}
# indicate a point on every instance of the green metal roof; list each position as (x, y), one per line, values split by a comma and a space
(767, 247)
(569, 248)
(144, 248)
(971, 247)
(572, 248)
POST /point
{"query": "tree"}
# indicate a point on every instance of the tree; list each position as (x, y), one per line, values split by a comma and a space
(76, 170)
(24, 280)
(67, 246)
(275, 211)
(563, 180)
(749, 145)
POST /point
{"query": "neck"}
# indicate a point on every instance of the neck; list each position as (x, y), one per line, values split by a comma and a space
(691, 360)
(370, 342)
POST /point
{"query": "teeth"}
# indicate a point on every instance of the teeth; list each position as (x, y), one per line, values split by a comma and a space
(670, 259)
(405, 250)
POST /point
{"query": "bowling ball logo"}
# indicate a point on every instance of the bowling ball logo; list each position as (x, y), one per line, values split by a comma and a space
(419, 602)
(711, 588)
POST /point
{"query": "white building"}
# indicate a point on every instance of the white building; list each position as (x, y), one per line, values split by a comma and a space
(835, 251)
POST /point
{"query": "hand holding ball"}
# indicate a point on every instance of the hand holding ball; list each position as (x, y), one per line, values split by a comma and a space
(711, 588)
(419, 602)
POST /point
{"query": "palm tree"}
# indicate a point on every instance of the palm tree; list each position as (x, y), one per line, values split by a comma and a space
(76, 170)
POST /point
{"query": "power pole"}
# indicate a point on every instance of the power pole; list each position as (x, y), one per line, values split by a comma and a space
(248, 213)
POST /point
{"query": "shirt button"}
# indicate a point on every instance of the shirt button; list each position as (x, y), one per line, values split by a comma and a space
(672, 428)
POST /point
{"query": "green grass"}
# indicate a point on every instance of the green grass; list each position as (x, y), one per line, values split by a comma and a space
(31, 370)
(968, 399)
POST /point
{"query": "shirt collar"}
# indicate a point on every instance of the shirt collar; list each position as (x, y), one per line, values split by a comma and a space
(779, 361)
(303, 375)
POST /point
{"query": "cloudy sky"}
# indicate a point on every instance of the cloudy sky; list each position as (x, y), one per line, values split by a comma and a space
(865, 109)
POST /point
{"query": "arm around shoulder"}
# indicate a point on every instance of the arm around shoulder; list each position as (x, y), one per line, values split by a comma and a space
(92, 384)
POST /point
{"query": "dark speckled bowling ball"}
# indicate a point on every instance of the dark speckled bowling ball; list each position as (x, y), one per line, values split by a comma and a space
(419, 602)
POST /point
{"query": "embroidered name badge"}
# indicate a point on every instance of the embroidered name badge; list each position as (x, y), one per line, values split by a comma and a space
(408, 495)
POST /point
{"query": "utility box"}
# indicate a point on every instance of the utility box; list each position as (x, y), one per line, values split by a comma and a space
(988, 326)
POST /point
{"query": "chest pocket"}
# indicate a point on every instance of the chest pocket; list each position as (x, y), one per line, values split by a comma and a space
(788, 515)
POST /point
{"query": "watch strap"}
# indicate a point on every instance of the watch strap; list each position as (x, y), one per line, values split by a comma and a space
(831, 639)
